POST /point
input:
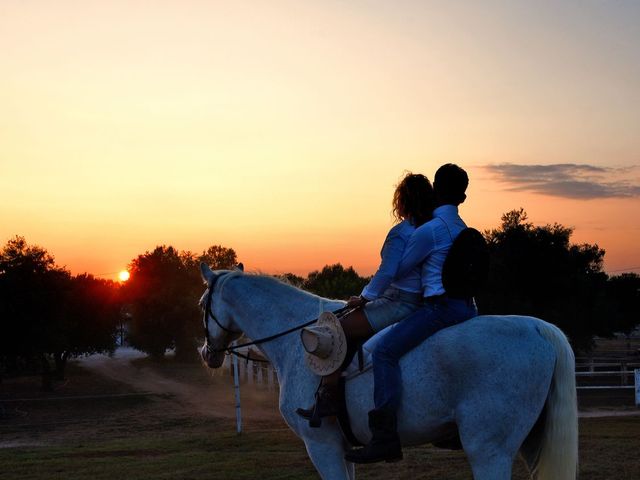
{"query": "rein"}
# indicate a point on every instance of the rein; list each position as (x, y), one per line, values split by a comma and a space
(232, 350)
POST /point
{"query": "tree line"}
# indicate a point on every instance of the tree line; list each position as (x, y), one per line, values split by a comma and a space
(48, 315)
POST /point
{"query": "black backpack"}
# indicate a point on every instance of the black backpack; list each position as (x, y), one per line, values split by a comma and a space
(466, 267)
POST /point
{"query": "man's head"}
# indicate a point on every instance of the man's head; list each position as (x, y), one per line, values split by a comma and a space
(449, 184)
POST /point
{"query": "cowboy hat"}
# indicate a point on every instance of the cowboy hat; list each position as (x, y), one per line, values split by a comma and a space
(325, 344)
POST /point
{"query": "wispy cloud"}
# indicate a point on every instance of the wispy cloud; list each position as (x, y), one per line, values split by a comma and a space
(569, 180)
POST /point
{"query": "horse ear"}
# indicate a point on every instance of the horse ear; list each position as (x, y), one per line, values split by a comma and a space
(240, 267)
(206, 272)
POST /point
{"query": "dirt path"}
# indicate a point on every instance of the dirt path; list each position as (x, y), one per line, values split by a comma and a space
(199, 391)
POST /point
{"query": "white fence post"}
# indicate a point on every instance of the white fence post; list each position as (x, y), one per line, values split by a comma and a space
(236, 382)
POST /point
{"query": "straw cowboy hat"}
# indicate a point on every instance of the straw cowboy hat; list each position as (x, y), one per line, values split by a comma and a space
(325, 344)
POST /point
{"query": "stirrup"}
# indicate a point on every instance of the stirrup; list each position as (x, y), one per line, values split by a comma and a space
(315, 415)
(324, 406)
(312, 415)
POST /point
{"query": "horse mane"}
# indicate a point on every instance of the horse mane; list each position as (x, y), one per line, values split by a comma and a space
(278, 289)
(282, 284)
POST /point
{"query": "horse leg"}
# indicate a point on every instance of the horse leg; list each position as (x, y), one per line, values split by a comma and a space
(490, 446)
(490, 458)
(494, 468)
(328, 458)
(488, 450)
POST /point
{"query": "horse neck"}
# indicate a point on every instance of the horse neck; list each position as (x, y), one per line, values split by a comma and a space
(262, 307)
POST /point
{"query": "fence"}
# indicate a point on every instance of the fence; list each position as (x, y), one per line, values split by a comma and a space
(606, 381)
(605, 373)
(593, 374)
(259, 373)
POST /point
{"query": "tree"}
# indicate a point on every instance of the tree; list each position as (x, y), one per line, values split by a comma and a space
(31, 289)
(537, 271)
(334, 281)
(41, 314)
(163, 293)
(292, 279)
(158, 291)
(89, 322)
(219, 257)
(623, 293)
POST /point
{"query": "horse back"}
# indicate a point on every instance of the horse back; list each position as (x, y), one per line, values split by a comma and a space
(485, 363)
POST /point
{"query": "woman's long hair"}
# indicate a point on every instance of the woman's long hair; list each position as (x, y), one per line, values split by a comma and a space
(414, 199)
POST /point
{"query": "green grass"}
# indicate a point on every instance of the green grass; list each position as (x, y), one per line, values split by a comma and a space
(274, 454)
(161, 437)
(609, 449)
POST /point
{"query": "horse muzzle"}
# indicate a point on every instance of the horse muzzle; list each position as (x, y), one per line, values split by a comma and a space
(211, 358)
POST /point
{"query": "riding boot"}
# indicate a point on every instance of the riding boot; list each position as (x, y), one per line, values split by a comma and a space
(327, 404)
(385, 443)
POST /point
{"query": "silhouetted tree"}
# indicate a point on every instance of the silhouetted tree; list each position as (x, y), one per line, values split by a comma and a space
(31, 288)
(163, 294)
(89, 320)
(537, 271)
(334, 281)
(219, 257)
(42, 314)
(292, 279)
(159, 294)
(623, 294)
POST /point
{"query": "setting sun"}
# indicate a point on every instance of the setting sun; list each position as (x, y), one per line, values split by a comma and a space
(123, 276)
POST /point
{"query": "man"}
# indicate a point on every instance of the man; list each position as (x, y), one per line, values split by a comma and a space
(428, 246)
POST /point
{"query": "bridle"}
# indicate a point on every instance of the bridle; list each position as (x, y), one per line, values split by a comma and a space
(208, 311)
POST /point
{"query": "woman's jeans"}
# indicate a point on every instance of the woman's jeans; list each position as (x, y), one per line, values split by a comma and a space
(407, 334)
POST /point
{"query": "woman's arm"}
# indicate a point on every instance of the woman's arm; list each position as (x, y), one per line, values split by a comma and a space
(391, 254)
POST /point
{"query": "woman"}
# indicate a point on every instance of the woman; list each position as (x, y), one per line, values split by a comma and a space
(383, 301)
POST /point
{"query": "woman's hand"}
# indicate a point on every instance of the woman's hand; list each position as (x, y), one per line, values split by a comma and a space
(355, 302)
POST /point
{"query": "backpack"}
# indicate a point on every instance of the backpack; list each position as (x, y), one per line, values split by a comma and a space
(466, 267)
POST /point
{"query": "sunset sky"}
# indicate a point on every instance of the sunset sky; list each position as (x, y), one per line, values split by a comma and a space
(279, 128)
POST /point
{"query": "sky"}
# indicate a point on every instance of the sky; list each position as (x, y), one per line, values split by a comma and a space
(281, 128)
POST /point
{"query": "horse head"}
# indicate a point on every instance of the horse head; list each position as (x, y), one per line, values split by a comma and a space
(219, 327)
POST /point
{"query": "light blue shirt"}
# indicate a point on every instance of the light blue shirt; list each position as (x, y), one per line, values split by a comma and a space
(391, 253)
(429, 245)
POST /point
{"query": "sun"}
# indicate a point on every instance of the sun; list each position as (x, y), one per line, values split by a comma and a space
(123, 276)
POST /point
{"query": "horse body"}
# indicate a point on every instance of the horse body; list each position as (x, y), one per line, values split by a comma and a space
(486, 380)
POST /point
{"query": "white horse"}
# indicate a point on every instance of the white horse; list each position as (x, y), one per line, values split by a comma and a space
(503, 384)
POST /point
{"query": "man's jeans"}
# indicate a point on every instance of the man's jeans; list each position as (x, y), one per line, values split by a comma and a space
(407, 334)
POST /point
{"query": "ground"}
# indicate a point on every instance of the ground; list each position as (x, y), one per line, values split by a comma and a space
(131, 418)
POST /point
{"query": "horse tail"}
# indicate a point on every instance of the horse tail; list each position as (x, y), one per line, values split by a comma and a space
(553, 451)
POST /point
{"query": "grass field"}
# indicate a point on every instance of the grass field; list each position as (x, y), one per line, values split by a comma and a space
(185, 429)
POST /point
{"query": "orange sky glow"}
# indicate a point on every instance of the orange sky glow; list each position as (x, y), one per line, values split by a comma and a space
(280, 128)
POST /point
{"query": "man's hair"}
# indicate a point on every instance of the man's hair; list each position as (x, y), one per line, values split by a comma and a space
(450, 184)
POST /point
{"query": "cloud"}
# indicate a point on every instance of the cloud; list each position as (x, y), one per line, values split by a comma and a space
(569, 180)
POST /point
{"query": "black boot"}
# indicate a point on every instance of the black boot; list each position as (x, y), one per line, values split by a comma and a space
(327, 405)
(385, 443)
